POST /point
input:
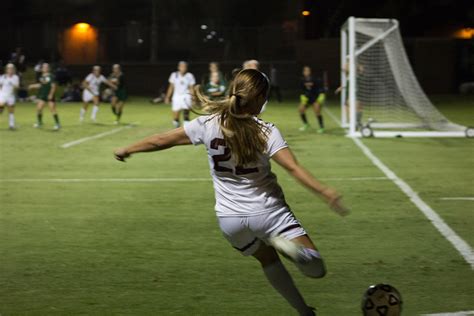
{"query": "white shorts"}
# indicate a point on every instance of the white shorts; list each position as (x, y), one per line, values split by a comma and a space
(246, 233)
(7, 99)
(87, 96)
(181, 102)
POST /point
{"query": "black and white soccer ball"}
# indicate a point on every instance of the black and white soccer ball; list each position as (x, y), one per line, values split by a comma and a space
(382, 300)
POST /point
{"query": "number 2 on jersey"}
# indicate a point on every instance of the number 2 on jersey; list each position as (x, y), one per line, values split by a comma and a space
(239, 170)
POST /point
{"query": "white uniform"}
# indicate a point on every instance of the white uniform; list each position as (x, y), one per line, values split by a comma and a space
(7, 91)
(181, 99)
(94, 83)
(250, 204)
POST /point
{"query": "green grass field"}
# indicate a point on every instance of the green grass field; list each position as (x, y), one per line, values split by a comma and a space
(97, 247)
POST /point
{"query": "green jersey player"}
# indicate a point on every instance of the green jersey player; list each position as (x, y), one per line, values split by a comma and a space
(46, 95)
(120, 95)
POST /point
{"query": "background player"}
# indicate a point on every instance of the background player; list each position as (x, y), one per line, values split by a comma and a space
(252, 212)
(46, 95)
(180, 92)
(9, 83)
(313, 95)
(215, 88)
(91, 91)
(120, 95)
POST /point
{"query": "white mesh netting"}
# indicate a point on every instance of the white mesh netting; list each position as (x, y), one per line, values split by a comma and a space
(387, 89)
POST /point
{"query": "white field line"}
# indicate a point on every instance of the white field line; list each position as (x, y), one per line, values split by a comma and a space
(461, 198)
(462, 313)
(459, 244)
(85, 139)
(72, 180)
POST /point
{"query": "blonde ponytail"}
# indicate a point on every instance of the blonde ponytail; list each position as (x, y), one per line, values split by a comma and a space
(244, 134)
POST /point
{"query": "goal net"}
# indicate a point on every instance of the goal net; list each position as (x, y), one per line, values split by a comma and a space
(380, 94)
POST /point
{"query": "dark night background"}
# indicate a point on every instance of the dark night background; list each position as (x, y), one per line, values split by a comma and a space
(271, 31)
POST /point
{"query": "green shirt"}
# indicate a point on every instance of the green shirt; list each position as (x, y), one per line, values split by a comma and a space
(46, 81)
(120, 80)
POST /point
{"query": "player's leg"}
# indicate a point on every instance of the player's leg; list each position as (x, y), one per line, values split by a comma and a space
(317, 106)
(86, 99)
(119, 109)
(95, 108)
(11, 115)
(302, 111)
(113, 104)
(176, 123)
(291, 240)
(2, 107)
(280, 279)
(54, 112)
(39, 113)
(359, 112)
(236, 231)
(185, 117)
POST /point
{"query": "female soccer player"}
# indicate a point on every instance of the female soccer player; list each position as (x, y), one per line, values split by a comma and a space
(313, 95)
(120, 95)
(251, 209)
(46, 95)
(91, 92)
(9, 83)
(180, 90)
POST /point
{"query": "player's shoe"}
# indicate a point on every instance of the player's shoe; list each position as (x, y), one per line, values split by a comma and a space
(81, 119)
(116, 122)
(288, 249)
(12, 128)
(304, 128)
(321, 131)
(56, 127)
(37, 125)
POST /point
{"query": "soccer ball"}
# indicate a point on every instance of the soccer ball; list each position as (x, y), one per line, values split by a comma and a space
(382, 300)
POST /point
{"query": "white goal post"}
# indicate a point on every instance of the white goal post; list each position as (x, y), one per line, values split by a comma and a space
(380, 94)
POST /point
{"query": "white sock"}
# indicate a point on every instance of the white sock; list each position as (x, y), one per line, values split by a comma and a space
(11, 119)
(82, 113)
(95, 109)
(281, 281)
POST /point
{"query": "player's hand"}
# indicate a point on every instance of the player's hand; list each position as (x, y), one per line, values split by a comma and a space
(121, 154)
(334, 200)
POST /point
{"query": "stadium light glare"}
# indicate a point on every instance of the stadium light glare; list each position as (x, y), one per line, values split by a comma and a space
(465, 33)
(305, 13)
(203, 27)
(82, 27)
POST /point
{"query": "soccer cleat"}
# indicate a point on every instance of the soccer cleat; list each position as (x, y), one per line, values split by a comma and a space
(116, 122)
(12, 128)
(321, 131)
(288, 249)
(57, 127)
(81, 119)
(37, 125)
(305, 127)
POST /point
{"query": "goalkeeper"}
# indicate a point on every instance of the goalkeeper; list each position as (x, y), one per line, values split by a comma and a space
(313, 95)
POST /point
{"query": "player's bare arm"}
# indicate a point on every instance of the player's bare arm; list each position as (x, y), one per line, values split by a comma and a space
(86, 86)
(157, 142)
(287, 160)
(111, 84)
(169, 93)
(52, 92)
(34, 86)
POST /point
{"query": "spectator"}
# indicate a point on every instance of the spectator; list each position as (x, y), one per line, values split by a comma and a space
(62, 74)
(19, 60)
(274, 86)
(72, 93)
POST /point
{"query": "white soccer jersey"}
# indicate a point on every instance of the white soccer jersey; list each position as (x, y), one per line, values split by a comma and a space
(239, 190)
(95, 82)
(9, 83)
(181, 83)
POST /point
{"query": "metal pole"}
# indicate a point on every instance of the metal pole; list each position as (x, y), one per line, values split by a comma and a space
(343, 77)
(352, 77)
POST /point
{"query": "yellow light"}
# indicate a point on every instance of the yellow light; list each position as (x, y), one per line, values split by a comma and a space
(82, 27)
(465, 33)
(305, 13)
